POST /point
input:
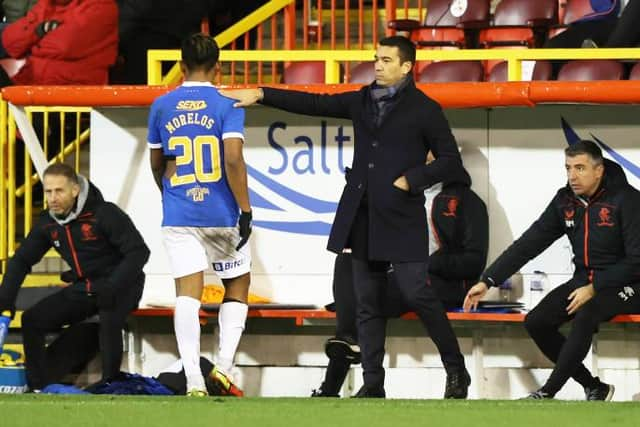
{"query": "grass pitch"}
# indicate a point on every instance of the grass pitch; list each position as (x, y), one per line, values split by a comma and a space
(130, 411)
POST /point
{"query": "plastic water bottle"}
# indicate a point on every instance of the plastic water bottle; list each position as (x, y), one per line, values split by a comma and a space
(505, 291)
(5, 319)
(536, 288)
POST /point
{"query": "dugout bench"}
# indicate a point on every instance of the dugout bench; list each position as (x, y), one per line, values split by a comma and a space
(477, 326)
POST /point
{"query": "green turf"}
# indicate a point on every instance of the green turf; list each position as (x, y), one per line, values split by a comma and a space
(130, 411)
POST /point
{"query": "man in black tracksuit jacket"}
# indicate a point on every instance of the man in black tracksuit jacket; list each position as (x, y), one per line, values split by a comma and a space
(598, 211)
(106, 254)
(459, 242)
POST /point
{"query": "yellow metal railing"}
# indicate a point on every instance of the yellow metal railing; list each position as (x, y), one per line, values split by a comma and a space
(333, 58)
(252, 20)
(17, 201)
(243, 26)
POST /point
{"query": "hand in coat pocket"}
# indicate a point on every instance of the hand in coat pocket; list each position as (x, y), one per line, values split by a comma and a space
(401, 183)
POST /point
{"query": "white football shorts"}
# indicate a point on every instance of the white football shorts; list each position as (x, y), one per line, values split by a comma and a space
(194, 249)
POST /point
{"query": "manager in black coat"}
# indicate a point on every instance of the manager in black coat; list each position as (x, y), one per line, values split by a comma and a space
(381, 213)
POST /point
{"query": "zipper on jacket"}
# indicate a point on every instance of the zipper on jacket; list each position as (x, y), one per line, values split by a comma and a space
(586, 237)
(74, 254)
(587, 205)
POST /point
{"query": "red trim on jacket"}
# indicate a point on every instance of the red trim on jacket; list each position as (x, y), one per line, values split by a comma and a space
(74, 254)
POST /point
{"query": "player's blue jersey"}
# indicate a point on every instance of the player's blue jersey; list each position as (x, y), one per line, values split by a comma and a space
(190, 124)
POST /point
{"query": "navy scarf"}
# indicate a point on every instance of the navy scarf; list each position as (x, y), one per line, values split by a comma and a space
(384, 97)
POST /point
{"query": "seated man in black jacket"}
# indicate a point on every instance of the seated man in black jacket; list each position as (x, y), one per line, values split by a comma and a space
(598, 212)
(458, 245)
(106, 254)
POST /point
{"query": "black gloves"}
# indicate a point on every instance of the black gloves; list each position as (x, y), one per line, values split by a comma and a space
(245, 228)
(46, 26)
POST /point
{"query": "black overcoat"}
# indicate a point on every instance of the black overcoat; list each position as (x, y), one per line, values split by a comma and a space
(398, 146)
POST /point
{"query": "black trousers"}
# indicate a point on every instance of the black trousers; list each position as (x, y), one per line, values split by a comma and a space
(71, 351)
(345, 299)
(568, 352)
(370, 283)
(68, 307)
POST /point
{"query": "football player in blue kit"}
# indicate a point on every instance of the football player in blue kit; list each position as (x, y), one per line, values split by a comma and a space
(195, 139)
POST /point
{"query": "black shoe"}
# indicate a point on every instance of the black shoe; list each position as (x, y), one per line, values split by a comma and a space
(367, 392)
(537, 395)
(601, 391)
(457, 384)
(337, 348)
(321, 393)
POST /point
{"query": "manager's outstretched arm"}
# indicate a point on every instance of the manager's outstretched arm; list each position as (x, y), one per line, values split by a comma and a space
(245, 97)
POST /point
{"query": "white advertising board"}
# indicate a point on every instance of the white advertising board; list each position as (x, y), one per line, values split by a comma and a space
(296, 167)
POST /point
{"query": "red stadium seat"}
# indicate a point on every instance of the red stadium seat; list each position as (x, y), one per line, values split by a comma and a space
(594, 69)
(363, 73)
(520, 22)
(452, 71)
(634, 74)
(541, 71)
(444, 25)
(304, 73)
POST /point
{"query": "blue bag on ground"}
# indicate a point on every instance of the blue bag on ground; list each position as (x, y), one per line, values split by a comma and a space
(131, 384)
(63, 389)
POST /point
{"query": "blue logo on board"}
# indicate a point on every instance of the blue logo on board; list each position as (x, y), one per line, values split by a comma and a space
(572, 137)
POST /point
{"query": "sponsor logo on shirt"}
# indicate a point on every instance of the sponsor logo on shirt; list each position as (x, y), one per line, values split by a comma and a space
(197, 194)
(191, 105)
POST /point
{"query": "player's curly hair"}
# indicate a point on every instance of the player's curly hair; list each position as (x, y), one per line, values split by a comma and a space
(200, 51)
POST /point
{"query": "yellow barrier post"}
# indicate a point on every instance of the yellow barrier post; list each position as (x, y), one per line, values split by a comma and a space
(332, 72)
(514, 70)
(28, 193)
(11, 185)
(76, 141)
(154, 69)
(3, 184)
